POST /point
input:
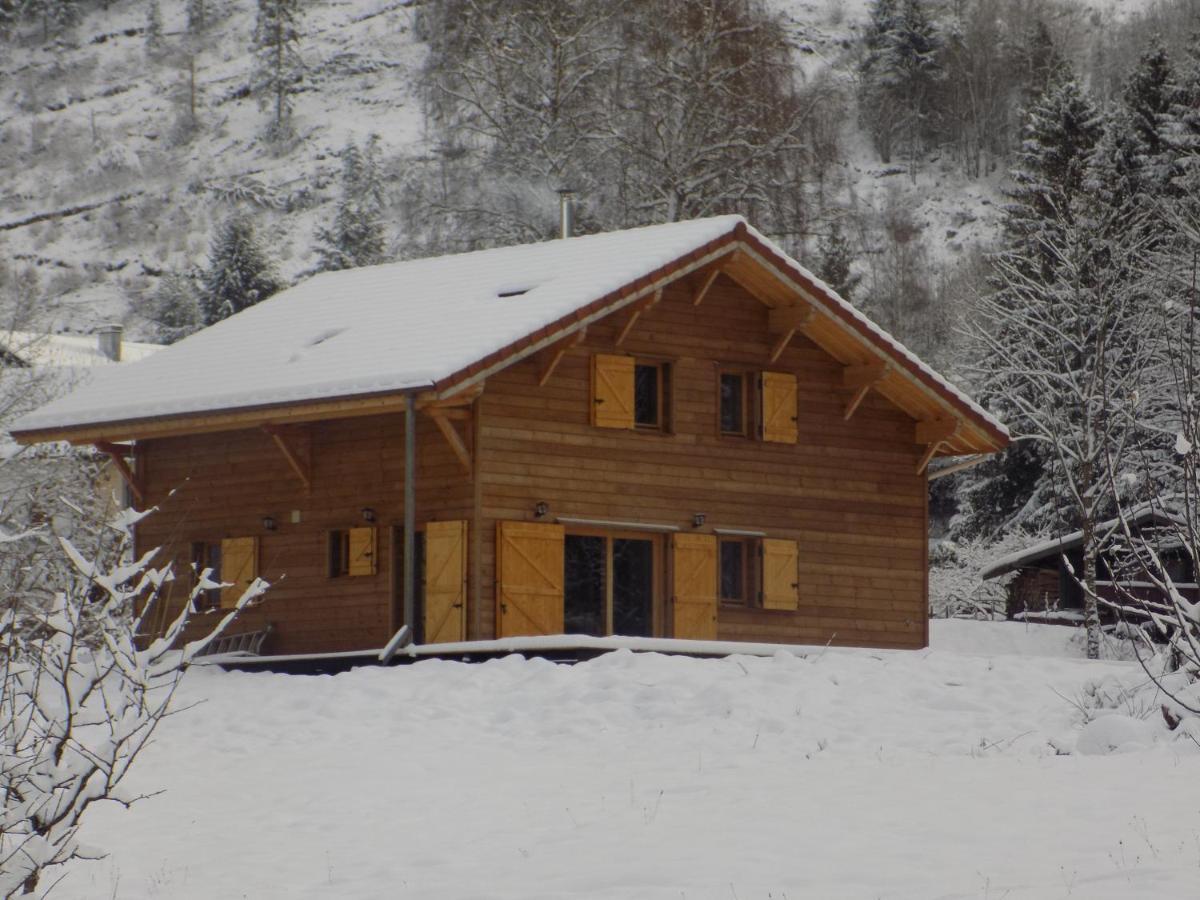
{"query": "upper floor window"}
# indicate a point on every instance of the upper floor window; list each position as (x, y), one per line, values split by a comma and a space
(649, 392)
(630, 393)
(734, 403)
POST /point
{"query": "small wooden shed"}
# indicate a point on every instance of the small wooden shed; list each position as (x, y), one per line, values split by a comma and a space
(674, 431)
(1043, 589)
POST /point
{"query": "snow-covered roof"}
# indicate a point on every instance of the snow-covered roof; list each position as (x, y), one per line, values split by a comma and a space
(1055, 547)
(75, 351)
(428, 323)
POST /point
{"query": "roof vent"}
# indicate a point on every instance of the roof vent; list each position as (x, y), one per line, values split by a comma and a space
(108, 341)
(517, 292)
(566, 212)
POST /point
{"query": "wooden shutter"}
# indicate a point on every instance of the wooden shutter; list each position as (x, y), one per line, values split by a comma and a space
(779, 407)
(445, 582)
(239, 567)
(362, 552)
(612, 391)
(529, 582)
(694, 586)
(780, 574)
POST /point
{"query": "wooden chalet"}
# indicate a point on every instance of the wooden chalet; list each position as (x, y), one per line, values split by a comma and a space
(674, 432)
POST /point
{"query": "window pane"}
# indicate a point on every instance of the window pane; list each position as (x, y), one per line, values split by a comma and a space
(733, 410)
(645, 395)
(583, 584)
(733, 570)
(633, 587)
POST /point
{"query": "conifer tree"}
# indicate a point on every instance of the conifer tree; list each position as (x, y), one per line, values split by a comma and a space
(1179, 127)
(357, 236)
(277, 59)
(175, 308)
(1061, 130)
(239, 274)
(899, 72)
(836, 261)
(1016, 488)
(1148, 95)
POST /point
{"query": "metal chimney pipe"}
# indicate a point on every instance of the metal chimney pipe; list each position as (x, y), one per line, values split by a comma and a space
(108, 340)
(566, 212)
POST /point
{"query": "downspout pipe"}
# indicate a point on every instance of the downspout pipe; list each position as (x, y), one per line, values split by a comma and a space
(407, 632)
(410, 512)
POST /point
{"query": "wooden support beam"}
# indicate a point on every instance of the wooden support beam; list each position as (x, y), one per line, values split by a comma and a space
(430, 401)
(936, 431)
(298, 464)
(549, 358)
(868, 375)
(861, 379)
(705, 285)
(642, 306)
(782, 319)
(780, 343)
(785, 321)
(117, 453)
(454, 440)
(927, 458)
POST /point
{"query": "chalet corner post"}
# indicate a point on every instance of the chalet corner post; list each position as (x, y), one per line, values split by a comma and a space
(410, 518)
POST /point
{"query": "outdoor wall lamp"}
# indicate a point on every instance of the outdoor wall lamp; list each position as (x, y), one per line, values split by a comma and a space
(368, 514)
(698, 520)
(268, 523)
(540, 509)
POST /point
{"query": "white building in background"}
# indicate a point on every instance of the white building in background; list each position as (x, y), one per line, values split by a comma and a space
(36, 367)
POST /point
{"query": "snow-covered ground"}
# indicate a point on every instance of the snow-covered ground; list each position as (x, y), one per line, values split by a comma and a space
(827, 774)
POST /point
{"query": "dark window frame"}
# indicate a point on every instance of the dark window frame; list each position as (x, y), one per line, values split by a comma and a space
(663, 405)
(337, 553)
(750, 553)
(749, 401)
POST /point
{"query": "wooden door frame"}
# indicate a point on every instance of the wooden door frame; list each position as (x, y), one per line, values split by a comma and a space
(658, 612)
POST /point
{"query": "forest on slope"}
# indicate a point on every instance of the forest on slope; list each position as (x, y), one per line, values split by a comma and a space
(165, 162)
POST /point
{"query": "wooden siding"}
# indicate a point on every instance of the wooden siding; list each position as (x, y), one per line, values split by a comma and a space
(225, 483)
(847, 491)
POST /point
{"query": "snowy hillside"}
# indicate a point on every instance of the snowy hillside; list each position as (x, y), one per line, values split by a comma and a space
(106, 182)
(828, 774)
(98, 121)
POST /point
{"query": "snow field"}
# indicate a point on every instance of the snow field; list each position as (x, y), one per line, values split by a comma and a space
(840, 774)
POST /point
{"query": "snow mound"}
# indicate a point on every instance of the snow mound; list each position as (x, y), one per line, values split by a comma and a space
(1115, 734)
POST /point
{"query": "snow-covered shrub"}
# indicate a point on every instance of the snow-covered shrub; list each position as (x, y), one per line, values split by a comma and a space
(83, 686)
(955, 587)
(114, 158)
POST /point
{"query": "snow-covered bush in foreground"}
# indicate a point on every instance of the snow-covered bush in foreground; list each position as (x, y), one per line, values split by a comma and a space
(82, 689)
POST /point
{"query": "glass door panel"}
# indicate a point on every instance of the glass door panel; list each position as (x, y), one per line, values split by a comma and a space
(632, 587)
(584, 563)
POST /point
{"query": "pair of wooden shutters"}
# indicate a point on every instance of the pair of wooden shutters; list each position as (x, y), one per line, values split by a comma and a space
(695, 578)
(529, 584)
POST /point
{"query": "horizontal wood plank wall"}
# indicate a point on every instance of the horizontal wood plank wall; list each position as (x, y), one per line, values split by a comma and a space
(225, 483)
(847, 491)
